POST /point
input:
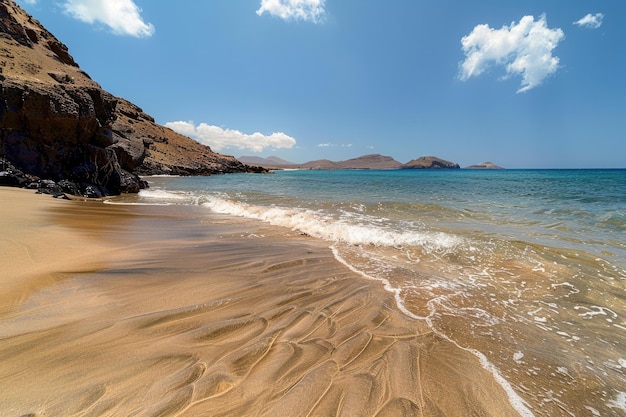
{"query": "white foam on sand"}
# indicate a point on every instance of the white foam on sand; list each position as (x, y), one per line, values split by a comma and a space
(515, 400)
(619, 402)
(157, 194)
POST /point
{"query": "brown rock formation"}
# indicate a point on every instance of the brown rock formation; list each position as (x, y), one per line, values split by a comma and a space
(372, 161)
(167, 152)
(484, 165)
(430, 162)
(57, 123)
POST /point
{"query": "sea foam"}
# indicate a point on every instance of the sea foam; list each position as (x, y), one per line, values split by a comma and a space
(158, 194)
(346, 229)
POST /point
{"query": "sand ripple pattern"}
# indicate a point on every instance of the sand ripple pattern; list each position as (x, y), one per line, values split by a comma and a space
(211, 319)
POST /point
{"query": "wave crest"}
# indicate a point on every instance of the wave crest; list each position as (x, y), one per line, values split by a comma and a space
(324, 226)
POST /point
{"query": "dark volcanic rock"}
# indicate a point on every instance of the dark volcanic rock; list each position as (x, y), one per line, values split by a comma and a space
(53, 132)
(13, 177)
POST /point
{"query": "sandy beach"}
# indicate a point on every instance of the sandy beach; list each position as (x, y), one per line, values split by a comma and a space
(114, 310)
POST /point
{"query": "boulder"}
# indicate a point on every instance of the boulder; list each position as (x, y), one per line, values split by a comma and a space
(13, 177)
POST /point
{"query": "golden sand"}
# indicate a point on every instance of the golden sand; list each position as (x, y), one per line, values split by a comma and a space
(112, 310)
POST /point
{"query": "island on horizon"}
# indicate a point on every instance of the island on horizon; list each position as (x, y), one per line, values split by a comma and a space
(371, 161)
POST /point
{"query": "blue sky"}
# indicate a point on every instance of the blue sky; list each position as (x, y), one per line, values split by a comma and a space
(524, 83)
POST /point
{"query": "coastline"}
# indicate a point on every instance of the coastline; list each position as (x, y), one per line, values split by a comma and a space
(167, 310)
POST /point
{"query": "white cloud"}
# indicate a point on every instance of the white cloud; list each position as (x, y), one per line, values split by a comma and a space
(307, 10)
(524, 49)
(218, 138)
(334, 145)
(122, 16)
(592, 21)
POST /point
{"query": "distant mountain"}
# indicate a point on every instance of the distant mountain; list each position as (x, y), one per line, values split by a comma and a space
(484, 165)
(430, 162)
(371, 161)
(270, 161)
(320, 164)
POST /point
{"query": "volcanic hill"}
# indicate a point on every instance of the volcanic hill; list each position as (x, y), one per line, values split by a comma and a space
(58, 124)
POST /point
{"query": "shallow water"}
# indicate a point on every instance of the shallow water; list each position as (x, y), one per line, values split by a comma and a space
(524, 269)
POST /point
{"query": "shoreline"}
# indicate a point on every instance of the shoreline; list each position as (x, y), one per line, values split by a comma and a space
(175, 310)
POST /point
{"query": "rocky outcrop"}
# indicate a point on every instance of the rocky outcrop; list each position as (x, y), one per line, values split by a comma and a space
(166, 152)
(13, 177)
(371, 161)
(484, 165)
(60, 132)
(430, 162)
(57, 124)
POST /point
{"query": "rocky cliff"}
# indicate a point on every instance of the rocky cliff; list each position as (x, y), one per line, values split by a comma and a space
(56, 123)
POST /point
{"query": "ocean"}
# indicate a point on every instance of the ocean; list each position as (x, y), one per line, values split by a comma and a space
(525, 269)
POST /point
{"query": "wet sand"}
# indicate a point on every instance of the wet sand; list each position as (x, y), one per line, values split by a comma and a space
(111, 310)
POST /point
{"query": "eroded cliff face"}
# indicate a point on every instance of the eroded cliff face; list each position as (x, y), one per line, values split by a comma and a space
(57, 123)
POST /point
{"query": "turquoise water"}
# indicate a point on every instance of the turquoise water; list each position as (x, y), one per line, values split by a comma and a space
(526, 269)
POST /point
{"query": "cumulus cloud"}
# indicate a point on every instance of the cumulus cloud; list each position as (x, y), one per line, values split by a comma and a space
(307, 10)
(523, 49)
(218, 138)
(122, 16)
(592, 21)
